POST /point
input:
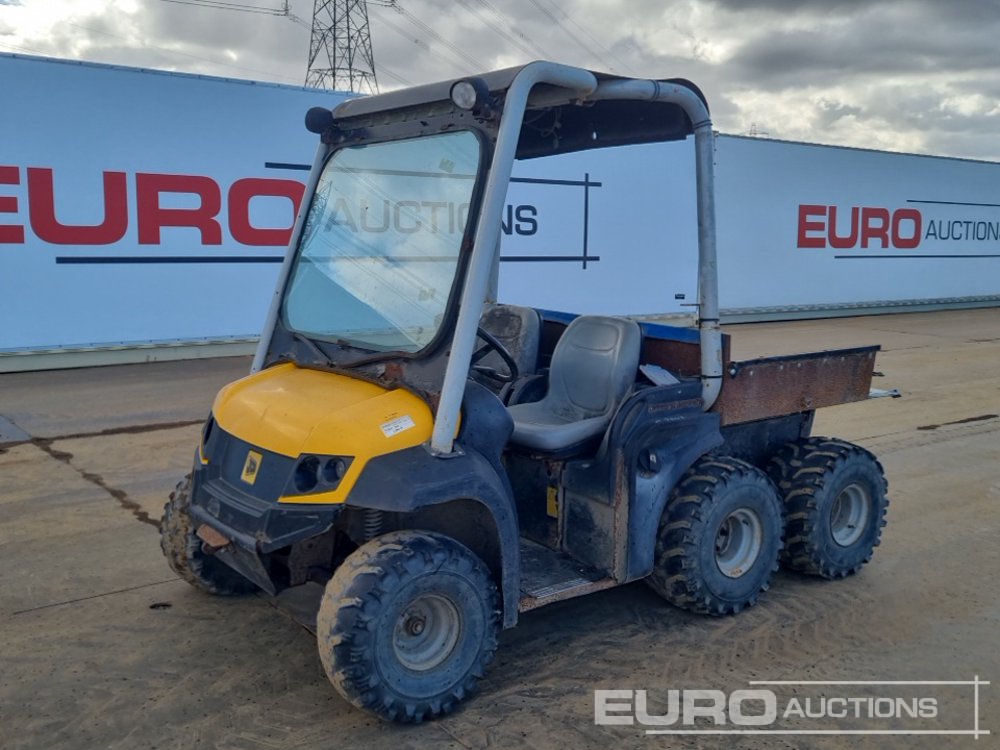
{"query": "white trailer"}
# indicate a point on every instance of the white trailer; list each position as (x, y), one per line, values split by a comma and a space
(813, 231)
(143, 215)
(804, 230)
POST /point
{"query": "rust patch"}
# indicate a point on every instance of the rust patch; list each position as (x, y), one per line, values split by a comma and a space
(679, 357)
(775, 386)
(211, 537)
(393, 372)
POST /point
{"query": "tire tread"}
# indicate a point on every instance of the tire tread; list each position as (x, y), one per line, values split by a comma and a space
(799, 470)
(351, 603)
(676, 572)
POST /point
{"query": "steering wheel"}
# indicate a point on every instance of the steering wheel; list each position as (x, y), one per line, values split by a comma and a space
(492, 344)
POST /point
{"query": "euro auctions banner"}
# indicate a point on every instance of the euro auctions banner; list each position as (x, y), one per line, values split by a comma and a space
(140, 207)
(803, 225)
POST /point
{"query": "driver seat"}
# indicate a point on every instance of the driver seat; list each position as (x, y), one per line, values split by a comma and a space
(519, 329)
(592, 371)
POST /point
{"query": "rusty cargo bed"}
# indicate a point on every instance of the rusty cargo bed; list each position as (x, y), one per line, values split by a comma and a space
(753, 389)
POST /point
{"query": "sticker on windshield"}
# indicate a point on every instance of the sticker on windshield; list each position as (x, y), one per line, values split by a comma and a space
(397, 425)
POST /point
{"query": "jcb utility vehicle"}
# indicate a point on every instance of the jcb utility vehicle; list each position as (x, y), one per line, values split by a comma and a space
(444, 463)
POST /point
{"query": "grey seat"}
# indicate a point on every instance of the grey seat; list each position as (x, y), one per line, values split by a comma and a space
(519, 329)
(593, 368)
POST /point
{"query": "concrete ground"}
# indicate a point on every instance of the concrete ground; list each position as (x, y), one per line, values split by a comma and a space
(100, 645)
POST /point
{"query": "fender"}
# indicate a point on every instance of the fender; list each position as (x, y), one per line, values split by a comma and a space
(617, 499)
(414, 480)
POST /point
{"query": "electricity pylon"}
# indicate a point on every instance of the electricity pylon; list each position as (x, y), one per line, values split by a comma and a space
(340, 50)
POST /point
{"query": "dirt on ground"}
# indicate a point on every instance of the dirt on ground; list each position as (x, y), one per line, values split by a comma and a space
(101, 646)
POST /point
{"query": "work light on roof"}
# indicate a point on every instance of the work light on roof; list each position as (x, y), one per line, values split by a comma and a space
(469, 93)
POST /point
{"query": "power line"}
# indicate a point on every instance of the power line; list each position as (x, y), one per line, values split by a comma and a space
(434, 34)
(284, 11)
(502, 31)
(504, 19)
(178, 52)
(29, 50)
(241, 7)
(395, 76)
(453, 61)
(551, 16)
(339, 38)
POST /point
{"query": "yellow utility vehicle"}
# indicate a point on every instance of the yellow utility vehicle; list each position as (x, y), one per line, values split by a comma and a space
(443, 463)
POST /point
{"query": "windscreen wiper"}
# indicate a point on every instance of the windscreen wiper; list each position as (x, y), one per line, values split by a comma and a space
(370, 359)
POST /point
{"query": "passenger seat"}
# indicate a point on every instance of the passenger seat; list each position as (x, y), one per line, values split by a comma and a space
(592, 371)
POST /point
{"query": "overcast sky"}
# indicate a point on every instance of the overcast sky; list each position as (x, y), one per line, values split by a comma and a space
(904, 75)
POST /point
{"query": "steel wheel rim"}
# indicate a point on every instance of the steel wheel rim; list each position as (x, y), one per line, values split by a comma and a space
(849, 514)
(738, 542)
(426, 632)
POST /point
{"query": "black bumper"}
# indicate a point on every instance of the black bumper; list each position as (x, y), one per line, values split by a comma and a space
(255, 527)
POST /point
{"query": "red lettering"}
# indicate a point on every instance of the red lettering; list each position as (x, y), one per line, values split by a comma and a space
(842, 242)
(152, 217)
(906, 214)
(805, 226)
(901, 228)
(240, 195)
(42, 212)
(870, 230)
(10, 233)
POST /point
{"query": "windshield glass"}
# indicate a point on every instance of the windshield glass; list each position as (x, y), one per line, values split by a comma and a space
(380, 248)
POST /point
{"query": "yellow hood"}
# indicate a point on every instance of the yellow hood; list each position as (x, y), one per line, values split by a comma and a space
(292, 410)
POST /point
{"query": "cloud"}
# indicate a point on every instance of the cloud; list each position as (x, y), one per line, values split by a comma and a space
(900, 74)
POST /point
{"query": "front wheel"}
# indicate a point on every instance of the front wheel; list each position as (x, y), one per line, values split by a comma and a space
(408, 624)
(719, 538)
(835, 499)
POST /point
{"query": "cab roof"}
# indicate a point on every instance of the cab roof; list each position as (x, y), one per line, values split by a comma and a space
(557, 120)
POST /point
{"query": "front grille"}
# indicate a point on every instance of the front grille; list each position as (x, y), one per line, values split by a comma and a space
(227, 456)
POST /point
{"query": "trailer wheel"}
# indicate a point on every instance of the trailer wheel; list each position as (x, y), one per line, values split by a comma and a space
(835, 502)
(184, 554)
(719, 538)
(408, 624)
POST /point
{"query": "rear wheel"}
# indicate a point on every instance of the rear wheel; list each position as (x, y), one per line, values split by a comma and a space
(719, 538)
(183, 549)
(408, 624)
(835, 500)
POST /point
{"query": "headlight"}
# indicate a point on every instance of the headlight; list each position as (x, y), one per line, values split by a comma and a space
(317, 474)
(334, 470)
(306, 475)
